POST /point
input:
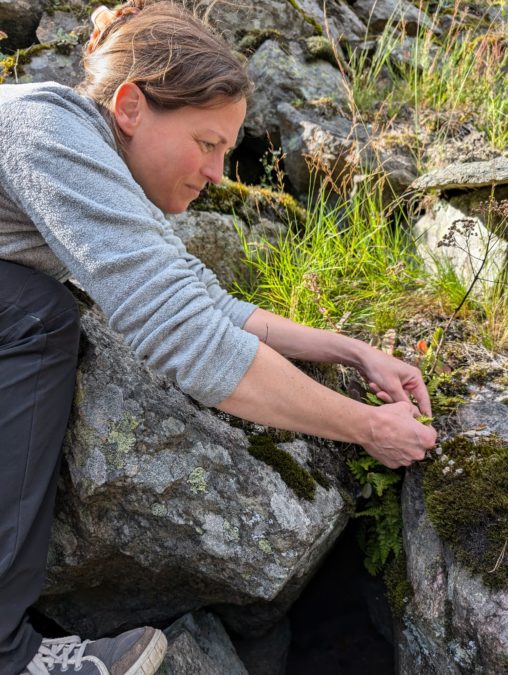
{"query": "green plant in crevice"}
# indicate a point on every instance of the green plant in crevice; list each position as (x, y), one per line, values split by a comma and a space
(380, 533)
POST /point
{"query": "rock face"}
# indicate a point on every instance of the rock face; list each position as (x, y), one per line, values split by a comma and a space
(454, 623)
(212, 237)
(199, 645)
(472, 246)
(19, 19)
(329, 145)
(285, 76)
(164, 497)
(376, 15)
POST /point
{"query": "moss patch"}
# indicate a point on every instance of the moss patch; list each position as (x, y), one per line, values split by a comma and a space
(484, 373)
(319, 47)
(398, 587)
(249, 203)
(197, 480)
(262, 447)
(251, 40)
(467, 502)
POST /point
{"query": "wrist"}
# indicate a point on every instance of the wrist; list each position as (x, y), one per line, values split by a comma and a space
(350, 351)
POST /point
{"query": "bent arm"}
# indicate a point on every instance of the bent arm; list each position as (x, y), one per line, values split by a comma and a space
(296, 341)
(391, 379)
(275, 393)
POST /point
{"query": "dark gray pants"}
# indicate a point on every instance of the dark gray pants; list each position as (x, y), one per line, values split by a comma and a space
(39, 335)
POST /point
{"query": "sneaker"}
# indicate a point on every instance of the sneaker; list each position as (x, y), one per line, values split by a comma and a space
(136, 652)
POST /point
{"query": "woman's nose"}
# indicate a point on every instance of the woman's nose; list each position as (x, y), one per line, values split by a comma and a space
(214, 169)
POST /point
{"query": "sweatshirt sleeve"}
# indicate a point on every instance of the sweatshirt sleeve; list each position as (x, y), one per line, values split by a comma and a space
(237, 310)
(62, 172)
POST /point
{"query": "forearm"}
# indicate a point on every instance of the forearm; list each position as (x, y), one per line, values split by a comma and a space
(296, 341)
(274, 392)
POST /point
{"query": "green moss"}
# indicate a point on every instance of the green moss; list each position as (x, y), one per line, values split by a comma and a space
(253, 39)
(120, 441)
(467, 502)
(320, 479)
(319, 47)
(398, 587)
(483, 373)
(262, 447)
(307, 17)
(265, 546)
(249, 202)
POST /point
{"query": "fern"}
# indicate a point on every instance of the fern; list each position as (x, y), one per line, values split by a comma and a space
(380, 533)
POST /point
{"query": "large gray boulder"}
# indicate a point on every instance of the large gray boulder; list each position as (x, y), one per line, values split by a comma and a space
(331, 146)
(292, 20)
(454, 623)
(235, 19)
(286, 77)
(313, 145)
(162, 509)
(376, 15)
(19, 19)
(199, 645)
(458, 233)
(58, 57)
(214, 239)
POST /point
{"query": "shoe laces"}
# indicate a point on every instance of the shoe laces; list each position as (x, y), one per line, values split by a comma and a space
(66, 651)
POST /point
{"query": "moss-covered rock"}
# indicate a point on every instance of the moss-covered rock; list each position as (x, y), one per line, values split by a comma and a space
(262, 447)
(466, 494)
(252, 39)
(319, 47)
(398, 587)
(250, 203)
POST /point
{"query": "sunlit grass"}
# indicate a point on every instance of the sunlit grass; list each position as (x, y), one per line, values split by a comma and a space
(350, 266)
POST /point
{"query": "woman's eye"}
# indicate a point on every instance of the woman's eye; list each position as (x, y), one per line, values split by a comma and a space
(208, 147)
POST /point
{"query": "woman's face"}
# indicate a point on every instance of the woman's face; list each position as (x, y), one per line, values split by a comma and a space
(174, 154)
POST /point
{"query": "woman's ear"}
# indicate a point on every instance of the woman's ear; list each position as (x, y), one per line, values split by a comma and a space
(129, 104)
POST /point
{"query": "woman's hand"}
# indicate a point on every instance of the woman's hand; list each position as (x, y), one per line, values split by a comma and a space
(396, 437)
(393, 380)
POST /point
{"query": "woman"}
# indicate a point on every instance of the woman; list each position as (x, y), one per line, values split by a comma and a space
(85, 178)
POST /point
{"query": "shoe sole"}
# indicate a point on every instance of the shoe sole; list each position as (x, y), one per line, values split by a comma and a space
(150, 660)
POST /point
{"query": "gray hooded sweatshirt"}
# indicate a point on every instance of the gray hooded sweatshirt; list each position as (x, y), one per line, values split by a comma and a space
(69, 206)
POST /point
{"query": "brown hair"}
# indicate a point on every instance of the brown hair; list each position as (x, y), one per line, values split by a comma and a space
(173, 56)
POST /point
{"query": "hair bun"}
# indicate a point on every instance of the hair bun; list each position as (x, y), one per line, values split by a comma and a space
(102, 18)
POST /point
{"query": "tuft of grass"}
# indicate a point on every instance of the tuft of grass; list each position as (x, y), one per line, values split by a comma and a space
(352, 263)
